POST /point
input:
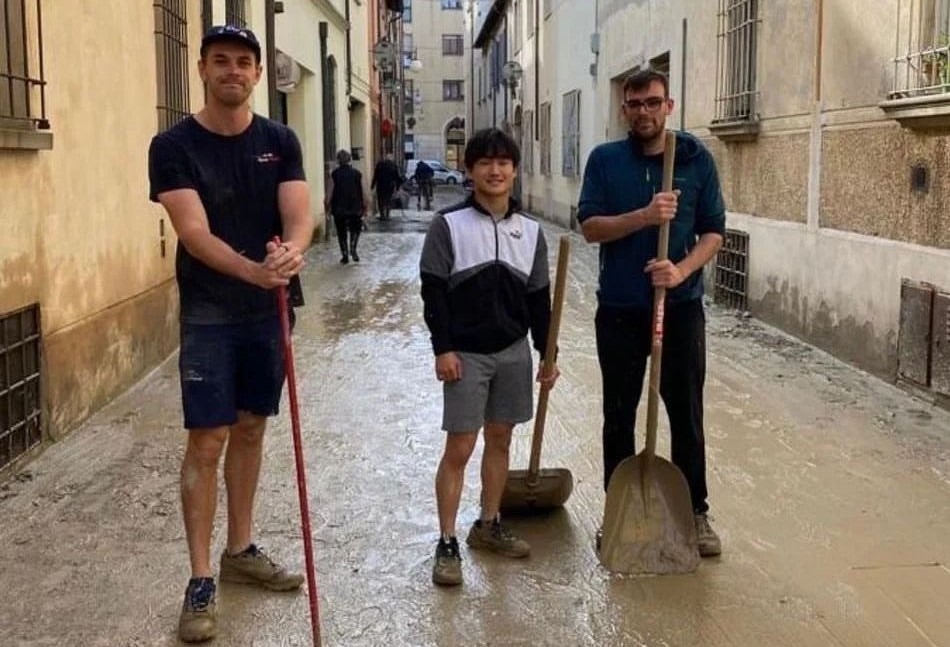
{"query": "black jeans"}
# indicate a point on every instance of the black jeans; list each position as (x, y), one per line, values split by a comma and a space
(623, 346)
(352, 223)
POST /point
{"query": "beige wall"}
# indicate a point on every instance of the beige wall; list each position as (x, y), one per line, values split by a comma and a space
(429, 23)
(80, 237)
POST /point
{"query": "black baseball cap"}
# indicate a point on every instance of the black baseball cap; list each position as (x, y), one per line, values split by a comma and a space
(221, 33)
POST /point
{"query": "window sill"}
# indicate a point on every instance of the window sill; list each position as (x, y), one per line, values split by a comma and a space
(736, 131)
(35, 140)
(932, 111)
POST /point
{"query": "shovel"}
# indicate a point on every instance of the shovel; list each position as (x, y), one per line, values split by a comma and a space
(535, 489)
(649, 526)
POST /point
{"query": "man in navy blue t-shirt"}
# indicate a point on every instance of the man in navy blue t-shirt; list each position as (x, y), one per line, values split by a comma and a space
(620, 207)
(230, 181)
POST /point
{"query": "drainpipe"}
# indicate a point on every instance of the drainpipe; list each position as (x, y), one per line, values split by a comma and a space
(273, 107)
(537, 69)
(207, 19)
(349, 62)
(683, 81)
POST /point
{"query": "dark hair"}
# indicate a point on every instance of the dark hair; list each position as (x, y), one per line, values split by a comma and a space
(642, 79)
(491, 143)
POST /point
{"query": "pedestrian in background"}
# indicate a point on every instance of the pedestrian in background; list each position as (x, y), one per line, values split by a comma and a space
(230, 181)
(347, 203)
(386, 179)
(485, 284)
(620, 207)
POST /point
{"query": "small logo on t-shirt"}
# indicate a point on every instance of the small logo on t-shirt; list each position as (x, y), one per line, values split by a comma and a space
(515, 233)
(267, 158)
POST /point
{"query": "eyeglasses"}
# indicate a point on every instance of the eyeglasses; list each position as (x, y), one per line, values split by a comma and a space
(652, 104)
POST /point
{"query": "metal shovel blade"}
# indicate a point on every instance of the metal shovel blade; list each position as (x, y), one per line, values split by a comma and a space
(649, 527)
(549, 489)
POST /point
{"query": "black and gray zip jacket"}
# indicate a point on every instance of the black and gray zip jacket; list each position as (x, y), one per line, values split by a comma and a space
(484, 282)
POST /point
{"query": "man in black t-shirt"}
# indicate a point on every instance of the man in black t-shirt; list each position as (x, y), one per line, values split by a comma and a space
(230, 181)
(345, 200)
(385, 180)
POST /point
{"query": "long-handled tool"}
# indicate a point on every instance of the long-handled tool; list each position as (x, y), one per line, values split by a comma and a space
(284, 309)
(649, 526)
(538, 489)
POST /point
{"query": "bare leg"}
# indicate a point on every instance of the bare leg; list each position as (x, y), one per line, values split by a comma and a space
(242, 467)
(450, 477)
(494, 467)
(199, 493)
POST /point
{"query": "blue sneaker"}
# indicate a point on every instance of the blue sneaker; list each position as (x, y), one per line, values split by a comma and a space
(199, 617)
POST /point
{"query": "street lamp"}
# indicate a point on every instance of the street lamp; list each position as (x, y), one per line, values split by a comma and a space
(415, 65)
(511, 73)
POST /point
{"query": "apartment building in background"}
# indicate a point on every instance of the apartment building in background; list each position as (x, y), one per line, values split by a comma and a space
(433, 57)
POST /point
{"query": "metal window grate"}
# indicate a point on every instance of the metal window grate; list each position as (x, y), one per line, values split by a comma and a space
(922, 55)
(22, 88)
(452, 45)
(20, 418)
(571, 134)
(235, 13)
(735, 60)
(732, 266)
(171, 42)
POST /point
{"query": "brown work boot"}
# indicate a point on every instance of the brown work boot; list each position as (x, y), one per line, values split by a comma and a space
(447, 569)
(496, 538)
(707, 539)
(199, 618)
(252, 566)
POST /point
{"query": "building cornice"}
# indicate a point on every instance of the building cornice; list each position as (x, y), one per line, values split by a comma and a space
(495, 15)
(331, 12)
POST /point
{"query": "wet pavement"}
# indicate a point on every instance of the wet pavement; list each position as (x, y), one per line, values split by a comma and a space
(830, 489)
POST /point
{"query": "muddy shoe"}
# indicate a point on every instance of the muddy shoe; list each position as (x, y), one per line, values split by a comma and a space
(708, 540)
(199, 619)
(252, 566)
(447, 569)
(498, 539)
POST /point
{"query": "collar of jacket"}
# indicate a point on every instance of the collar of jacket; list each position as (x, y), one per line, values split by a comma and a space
(513, 206)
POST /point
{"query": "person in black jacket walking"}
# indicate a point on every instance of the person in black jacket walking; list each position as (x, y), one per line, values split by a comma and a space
(346, 201)
(484, 270)
(386, 179)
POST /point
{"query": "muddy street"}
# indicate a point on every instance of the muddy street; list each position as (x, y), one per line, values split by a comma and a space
(830, 489)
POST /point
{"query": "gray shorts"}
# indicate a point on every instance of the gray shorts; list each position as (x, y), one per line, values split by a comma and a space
(495, 387)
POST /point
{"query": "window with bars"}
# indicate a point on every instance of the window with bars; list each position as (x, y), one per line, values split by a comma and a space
(922, 66)
(571, 134)
(452, 45)
(409, 98)
(407, 50)
(20, 412)
(453, 90)
(451, 4)
(736, 61)
(22, 87)
(235, 13)
(407, 11)
(545, 138)
(171, 43)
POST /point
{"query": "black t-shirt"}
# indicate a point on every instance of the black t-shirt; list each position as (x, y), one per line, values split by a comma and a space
(236, 178)
(347, 197)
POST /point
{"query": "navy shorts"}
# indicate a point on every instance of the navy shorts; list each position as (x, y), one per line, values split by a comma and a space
(226, 368)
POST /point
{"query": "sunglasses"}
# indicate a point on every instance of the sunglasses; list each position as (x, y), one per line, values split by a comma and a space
(651, 104)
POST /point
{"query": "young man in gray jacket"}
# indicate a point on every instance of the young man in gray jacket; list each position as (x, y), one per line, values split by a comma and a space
(485, 283)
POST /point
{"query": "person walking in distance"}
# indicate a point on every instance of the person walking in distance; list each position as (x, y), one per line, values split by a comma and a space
(621, 205)
(386, 179)
(346, 201)
(230, 181)
(424, 176)
(484, 270)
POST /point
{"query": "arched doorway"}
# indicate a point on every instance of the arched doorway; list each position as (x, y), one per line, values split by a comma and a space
(454, 135)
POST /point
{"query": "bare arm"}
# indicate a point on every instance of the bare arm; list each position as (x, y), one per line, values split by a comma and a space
(191, 224)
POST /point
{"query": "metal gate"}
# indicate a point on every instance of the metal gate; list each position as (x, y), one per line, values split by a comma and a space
(20, 420)
(732, 266)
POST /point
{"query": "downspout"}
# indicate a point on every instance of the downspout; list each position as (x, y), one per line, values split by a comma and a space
(207, 19)
(813, 213)
(324, 83)
(471, 124)
(537, 69)
(683, 81)
(349, 62)
(273, 107)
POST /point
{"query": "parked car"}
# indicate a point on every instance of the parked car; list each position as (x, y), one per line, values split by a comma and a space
(443, 174)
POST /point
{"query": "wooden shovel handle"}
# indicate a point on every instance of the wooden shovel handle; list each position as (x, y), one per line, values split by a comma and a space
(550, 353)
(659, 305)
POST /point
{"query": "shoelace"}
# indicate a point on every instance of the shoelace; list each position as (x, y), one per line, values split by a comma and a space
(703, 527)
(256, 551)
(501, 532)
(451, 549)
(199, 597)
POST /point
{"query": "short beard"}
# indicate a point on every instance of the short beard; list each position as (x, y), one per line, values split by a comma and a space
(643, 138)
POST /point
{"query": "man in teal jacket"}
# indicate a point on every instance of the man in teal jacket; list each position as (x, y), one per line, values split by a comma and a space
(621, 206)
